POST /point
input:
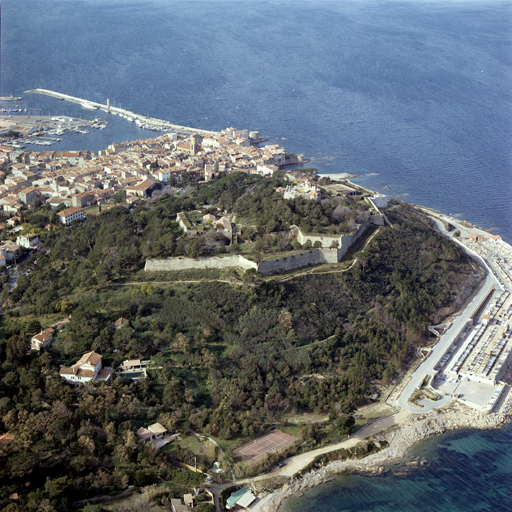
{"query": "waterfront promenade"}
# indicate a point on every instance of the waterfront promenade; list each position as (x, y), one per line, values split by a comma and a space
(151, 121)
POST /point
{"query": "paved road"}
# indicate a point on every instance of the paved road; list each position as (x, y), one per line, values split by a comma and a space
(445, 341)
(216, 490)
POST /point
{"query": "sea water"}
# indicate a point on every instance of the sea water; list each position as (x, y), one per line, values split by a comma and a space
(467, 471)
(414, 96)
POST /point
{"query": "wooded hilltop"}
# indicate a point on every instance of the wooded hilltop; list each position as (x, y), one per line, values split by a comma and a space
(234, 353)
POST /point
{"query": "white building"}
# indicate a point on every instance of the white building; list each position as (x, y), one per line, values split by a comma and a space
(87, 368)
(28, 241)
(70, 214)
(42, 339)
(164, 175)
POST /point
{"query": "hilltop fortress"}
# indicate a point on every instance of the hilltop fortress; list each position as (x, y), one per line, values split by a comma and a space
(327, 249)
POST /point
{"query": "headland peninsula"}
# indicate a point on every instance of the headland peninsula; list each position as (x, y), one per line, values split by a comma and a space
(189, 311)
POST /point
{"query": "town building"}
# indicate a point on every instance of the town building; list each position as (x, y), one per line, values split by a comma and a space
(28, 195)
(142, 189)
(70, 214)
(11, 250)
(82, 199)
(41, 339)
(88, 367)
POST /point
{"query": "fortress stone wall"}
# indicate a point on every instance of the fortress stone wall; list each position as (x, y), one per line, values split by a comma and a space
(180, 263)
(301, 259)
(272, 266)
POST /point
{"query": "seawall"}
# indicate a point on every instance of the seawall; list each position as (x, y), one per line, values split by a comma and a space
(121, 111)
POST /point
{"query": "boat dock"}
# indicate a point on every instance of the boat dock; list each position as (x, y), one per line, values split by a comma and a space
(131, 116)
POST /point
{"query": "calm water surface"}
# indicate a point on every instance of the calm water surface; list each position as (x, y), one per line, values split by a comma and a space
(468, 471)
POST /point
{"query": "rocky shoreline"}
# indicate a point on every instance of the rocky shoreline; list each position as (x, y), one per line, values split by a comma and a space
(401, 438)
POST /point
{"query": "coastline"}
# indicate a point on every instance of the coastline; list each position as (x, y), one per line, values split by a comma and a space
(413, 429)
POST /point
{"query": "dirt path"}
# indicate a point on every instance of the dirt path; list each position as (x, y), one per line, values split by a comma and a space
(135, 283)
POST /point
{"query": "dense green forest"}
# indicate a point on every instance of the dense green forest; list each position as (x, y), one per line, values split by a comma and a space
(232, 359)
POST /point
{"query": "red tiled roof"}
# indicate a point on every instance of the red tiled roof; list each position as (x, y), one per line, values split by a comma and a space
(69, 211)
(91, 358)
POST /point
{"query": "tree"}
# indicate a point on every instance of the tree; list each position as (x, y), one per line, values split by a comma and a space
(341, 419)
(194, 248)
(311, 432)
(120, 196)
(64, 306)
(182, 343)
(34, 326)
(285, 320)
(17, 347)
(205, 507)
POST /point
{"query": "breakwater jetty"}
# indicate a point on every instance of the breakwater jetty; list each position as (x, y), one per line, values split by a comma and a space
(144, 121)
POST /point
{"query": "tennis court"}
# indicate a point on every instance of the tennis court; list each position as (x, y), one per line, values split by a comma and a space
(257, 448)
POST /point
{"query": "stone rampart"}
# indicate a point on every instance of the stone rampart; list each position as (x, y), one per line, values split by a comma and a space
(298, 260)
(325, 240)
(170, 264)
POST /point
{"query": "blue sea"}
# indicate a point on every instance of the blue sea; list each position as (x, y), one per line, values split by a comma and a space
(414, 96)
(467, 471)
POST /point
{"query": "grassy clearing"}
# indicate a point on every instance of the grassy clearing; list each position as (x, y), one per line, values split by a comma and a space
(225, 444)
(292, 430)
(192, 443)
